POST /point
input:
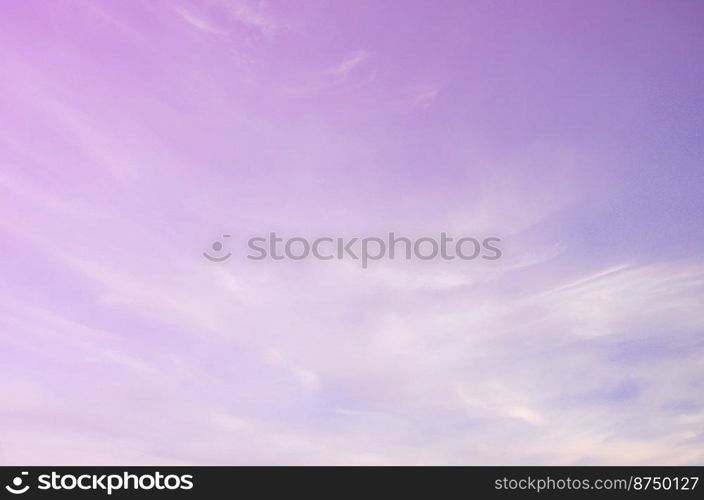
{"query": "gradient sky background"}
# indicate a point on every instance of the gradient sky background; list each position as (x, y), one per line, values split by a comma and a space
(134, 134)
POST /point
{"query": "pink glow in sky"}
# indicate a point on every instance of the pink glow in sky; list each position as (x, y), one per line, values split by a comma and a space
(134, 134)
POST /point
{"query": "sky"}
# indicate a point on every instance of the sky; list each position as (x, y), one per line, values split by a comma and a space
(135, 134)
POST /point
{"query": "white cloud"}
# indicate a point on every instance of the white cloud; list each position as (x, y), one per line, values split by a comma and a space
(198, 22)
(349, 63)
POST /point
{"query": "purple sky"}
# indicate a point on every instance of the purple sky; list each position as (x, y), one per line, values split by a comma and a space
(134, 134)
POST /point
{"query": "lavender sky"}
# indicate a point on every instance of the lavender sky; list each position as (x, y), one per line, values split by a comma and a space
(134, 134)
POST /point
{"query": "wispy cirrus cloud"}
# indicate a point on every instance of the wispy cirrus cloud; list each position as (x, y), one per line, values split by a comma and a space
(197, 22)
